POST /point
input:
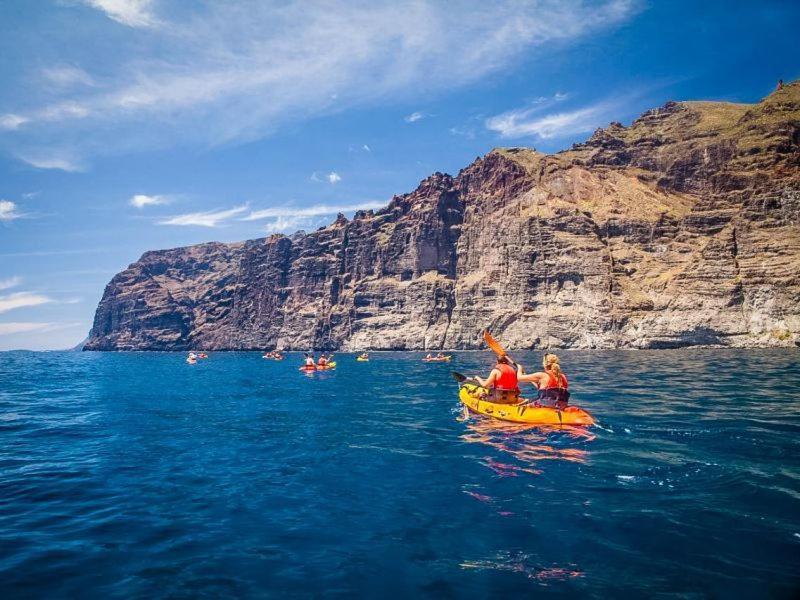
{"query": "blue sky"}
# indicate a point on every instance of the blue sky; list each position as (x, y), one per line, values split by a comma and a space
(129, 125)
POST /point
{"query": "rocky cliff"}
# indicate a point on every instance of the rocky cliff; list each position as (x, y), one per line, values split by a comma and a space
(682, 229)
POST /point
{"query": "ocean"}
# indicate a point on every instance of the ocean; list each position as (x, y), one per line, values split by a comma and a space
(135, 475)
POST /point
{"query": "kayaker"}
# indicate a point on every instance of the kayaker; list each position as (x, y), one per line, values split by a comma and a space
(551, 383)
(502, 382)
(310, 359)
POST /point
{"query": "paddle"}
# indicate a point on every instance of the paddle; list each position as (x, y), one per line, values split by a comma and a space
(464, 379)
(496, 347)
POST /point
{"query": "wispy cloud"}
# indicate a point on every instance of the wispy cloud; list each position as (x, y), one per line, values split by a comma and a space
(11, 121)
(288, 219)
(22, 300)
(9, 283)
(528, 122)
(366, 148)
(142, 200)
(66, 75)
(310, 211)
(53, 161)
(133, 13)
(334, 177)
(28, 327)
(414, 117)
(8, 211)
(243, 69)
(212, 218)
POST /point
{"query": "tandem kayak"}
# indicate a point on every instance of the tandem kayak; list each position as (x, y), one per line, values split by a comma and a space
(329, 367)
(471, 396)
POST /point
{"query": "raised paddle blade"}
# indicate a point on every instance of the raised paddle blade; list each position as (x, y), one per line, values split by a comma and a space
(495, 346)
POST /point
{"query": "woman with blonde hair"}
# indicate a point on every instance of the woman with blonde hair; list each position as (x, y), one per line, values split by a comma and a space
(551, 383)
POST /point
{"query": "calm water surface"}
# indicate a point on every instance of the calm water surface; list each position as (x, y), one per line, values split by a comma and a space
(137, 475)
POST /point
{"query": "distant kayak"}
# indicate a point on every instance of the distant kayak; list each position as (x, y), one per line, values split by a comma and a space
(359, 359)
(191, 361)
(434, 359)
(470, 396)
(329, 367)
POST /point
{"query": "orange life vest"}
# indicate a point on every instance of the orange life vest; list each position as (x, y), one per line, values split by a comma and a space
(555, 391)
(508, 378)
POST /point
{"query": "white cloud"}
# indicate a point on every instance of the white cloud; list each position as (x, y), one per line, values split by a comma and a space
(222, 72)
(212, 218)
(524, 122)
(10, 282)
(334, 177)
(413, 117)
(11, 121)
(288, 219)
(466, 132)
(142, 200)
(8, 211)
(22, 300)
(134, 13)
(67, 75)
(11, 328)
(53, 161)
(27, 327)
(366, 148)
(316, 210)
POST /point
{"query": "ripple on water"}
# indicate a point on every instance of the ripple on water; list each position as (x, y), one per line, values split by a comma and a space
(135, 475)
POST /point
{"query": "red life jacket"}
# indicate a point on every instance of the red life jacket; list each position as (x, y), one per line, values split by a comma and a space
(507, 379)
(554, 391)
(552, 382)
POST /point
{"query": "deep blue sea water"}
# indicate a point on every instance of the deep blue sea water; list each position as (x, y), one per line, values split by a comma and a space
(136, 475)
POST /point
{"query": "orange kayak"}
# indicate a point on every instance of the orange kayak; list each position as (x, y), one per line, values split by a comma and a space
(472, 396)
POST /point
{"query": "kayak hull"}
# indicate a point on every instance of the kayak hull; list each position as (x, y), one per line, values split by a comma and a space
(470, 396)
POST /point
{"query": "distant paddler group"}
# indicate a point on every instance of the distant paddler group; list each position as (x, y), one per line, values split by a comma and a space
(324, 363)
(438, 358)
(194, 356)
(273, 355)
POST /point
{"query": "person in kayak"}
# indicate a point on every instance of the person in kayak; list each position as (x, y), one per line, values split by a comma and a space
(552, 383)
(502, 382)
(310, 359)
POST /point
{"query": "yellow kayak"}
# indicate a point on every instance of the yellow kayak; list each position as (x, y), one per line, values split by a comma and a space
(359, 359)
(471, 396)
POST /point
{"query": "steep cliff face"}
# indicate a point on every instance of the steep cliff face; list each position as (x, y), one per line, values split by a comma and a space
(682, 229)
